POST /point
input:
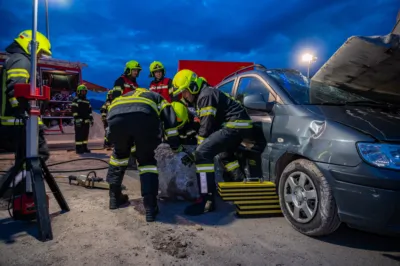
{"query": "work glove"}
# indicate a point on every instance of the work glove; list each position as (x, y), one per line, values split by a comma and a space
(177, 150)
(188, 159)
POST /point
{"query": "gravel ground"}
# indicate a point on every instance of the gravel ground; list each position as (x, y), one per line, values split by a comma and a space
(90, 234)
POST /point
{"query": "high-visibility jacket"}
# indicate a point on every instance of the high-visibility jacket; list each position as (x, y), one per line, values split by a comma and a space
(16, 70)
(104, 109)
(123, 85)
(81, 109)
(163, 87)
(149, 102)
(218, 109)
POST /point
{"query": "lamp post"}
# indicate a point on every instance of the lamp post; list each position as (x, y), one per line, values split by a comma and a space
(46, 3)
(309, 58)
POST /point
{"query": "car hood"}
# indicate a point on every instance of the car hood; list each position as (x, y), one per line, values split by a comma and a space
(382, 125)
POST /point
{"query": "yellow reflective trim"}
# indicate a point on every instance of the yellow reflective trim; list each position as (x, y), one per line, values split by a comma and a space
(163, 104)
(13, 101)
(171, 132)
(118, 162)
(209, 110)
(130, 99)
(74, 104)
(239, 124)
(199, 139)
(148, 169)
(10, 76)
(133, 149)
(232, 166)
(74, 114)
(117, 88)
(78, 142)
(205, 168)
(18, 70)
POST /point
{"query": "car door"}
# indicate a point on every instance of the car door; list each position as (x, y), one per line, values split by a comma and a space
(262, 121)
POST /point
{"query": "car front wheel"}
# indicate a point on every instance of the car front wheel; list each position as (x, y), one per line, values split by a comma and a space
(307, 200)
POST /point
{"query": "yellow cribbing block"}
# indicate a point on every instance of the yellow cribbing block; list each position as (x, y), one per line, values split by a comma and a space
(233, 198)
(247, 189)
(248, 202)
(257, 207)
(258, 212)
(244, 193)
(264, 184)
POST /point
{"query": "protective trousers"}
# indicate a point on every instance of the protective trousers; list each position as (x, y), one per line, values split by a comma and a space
(141, 129)
(81, 136)
(223, 140)
(106, 142)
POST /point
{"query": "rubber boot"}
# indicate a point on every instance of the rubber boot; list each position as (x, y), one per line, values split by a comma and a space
(206, 203)
(151, 207)
(117, 199)
(85, 149)
(79, 149)
(132, 165)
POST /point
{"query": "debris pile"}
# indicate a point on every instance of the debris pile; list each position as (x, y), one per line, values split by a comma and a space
(177, 181)
(172, 243)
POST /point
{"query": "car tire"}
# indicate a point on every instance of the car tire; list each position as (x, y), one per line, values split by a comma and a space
(324, 218)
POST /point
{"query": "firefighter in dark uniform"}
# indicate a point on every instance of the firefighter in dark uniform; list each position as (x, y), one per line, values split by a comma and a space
(160, 83)
(104, 111)
(83, 119)
(127, 81)
(135, 117)
(124, 84)
(187, 125)
(224, 123)
(13, 111)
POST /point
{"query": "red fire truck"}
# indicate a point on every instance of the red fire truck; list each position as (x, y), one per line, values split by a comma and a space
(212, 71)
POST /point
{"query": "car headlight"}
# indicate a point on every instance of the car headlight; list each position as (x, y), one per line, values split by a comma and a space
(380, 155)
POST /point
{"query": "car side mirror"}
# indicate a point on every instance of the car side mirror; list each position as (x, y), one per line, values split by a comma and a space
(258, 103)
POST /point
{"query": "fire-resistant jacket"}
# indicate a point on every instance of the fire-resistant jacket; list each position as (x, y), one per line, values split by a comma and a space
(163, 87)
(123, 85)
(82, 110)
(148, 102)
(104, 110)
(188, 130)
(16, 70)
(218, 109)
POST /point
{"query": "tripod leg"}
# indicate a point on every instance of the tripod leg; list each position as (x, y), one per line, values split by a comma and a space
(54, 187)
(39, 192)
(9, 176)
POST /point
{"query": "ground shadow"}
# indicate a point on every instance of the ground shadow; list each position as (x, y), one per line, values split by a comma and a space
(171, 212)
(353, 238)
(11, 230)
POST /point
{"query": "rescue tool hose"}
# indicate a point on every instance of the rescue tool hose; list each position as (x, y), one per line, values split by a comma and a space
(69, 161)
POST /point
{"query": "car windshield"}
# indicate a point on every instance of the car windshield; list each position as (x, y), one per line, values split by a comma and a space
(302, 91)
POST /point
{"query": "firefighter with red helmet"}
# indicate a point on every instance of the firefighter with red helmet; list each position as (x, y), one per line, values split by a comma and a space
(83, 119)
(127, 81)
(160, 83)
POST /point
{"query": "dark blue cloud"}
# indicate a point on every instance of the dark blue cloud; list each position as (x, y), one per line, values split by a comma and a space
(105, 34)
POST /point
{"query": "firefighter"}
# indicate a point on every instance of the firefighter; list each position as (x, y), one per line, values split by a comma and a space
(14, 111)
(127, 81)
(104, 111)
(224, 123)
(160, 84)
(83, 119)
(187, 126)
(135, 117)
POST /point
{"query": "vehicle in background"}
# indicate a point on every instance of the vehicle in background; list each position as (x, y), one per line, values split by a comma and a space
(333, 152)
(213, 71)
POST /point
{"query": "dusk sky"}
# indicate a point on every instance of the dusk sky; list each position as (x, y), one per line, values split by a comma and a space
(105, 34)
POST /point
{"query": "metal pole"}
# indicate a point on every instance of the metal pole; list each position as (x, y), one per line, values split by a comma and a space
(46, 2)
(32, 123)
(308, 69)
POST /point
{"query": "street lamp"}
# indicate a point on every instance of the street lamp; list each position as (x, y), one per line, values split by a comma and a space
(308, 58)
(46, 3)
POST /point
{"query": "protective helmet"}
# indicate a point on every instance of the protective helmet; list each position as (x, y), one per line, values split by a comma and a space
(187, 79)
(43, 44)
(155, 66)
(81, 88)
(132, 65)
(181, 112)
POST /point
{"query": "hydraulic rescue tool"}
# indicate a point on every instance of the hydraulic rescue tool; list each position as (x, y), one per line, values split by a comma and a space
(36, 169)
(89, 181)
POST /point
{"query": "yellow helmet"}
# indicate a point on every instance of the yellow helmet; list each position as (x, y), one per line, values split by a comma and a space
(43, 44)
(181, 112)
(156, 66)
(187, 79)
(132, 65)
(81, 88)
